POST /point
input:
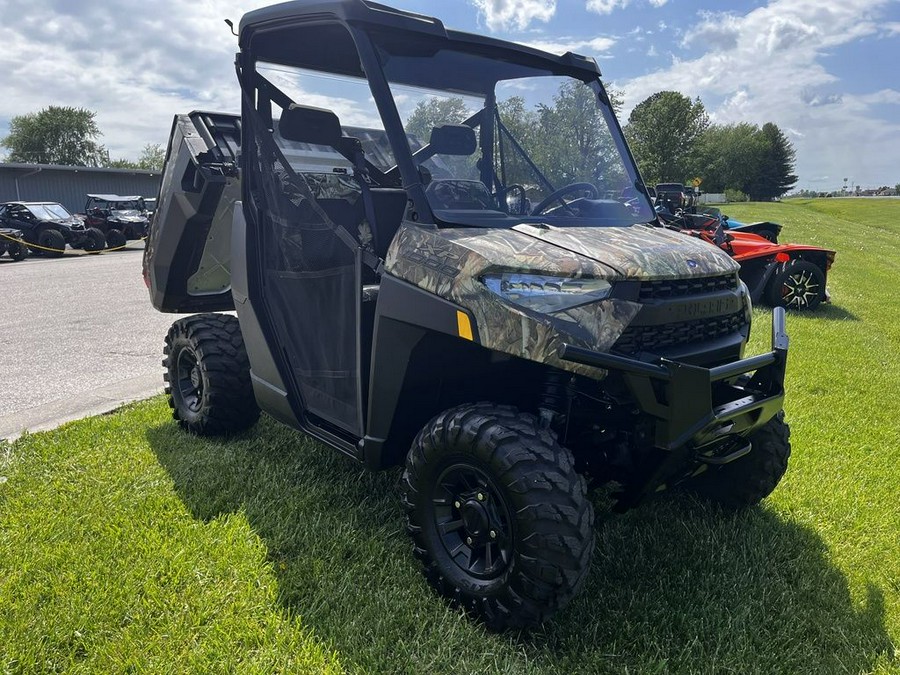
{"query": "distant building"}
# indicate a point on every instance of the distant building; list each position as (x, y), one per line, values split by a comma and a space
(69, 185)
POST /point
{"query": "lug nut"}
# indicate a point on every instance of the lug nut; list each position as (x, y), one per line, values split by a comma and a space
(480, 497)
(457, 504)
(469, 540)
(493, 535)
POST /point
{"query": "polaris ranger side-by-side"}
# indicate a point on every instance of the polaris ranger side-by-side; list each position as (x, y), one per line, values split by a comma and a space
(422, 279)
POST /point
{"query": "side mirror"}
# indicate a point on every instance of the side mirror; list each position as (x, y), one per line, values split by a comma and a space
(453, 139)
(304, 124)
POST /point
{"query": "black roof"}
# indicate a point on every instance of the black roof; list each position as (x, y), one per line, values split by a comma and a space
(374, 16)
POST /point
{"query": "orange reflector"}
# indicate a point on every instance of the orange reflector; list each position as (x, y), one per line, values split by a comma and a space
(781, 256)
(463, 325)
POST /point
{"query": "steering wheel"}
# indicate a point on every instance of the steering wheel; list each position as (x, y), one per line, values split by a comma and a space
(558, 194)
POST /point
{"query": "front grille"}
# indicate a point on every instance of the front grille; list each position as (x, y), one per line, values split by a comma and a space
(635, 339)
(676, 288)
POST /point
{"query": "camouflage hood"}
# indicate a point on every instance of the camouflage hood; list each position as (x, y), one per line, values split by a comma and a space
(637, 252)
(452, 263)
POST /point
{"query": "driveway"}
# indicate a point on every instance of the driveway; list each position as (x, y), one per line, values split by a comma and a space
(78, 337)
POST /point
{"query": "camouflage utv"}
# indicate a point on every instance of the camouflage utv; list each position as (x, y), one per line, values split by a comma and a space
(456, 275)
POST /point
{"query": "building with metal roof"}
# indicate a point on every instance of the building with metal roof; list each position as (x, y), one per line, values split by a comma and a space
(70, 185)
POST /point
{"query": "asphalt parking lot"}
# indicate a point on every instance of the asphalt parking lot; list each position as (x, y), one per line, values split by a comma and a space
(78, 336)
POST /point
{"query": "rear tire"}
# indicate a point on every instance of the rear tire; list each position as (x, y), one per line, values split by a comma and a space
(497, 514)
(208, 375)
(746, 481)
(799, 285)
(115, 239)
(17, 250)
(95, 241)
(52, 243)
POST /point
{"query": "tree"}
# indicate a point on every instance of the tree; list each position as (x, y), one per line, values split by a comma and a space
(433, 112)
(775, 176)
(55, 135)
(576, 144)
(152, 158)
(729, 157)
(663, 131)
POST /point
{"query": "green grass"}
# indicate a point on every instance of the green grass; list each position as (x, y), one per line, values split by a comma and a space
(127, 546)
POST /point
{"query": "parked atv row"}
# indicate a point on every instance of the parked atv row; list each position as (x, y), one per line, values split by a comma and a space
(48, 227)
(793, 276)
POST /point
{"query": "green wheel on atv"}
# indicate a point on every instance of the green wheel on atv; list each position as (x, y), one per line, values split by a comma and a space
(497, 514)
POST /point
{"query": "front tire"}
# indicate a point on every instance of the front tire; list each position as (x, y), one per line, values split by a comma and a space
(52, 243)
(497, 514)
(746, 481)
(115, 239)
(208, 375)
(17, 250)
(799, 285)
(94, 240)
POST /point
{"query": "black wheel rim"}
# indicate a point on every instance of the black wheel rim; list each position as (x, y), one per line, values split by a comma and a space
(800, 289)
(472, 521)
(190, 380)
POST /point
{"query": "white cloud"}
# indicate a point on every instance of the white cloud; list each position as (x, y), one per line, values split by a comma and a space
(606, 6)
(767, 66)
(506, 14)
(609, 6)
(136, 65)
(562, 45)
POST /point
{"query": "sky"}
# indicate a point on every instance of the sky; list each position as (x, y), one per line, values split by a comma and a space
(827, 72)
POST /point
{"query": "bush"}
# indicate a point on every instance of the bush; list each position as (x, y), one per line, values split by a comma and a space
(735, 196)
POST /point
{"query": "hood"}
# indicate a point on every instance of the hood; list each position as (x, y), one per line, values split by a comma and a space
(130, 216)
(71, 222)
(638, 251)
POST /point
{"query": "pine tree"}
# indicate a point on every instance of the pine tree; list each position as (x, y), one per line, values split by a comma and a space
(775, 176)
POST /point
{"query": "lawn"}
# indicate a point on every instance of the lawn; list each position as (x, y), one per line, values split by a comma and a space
(127, 546)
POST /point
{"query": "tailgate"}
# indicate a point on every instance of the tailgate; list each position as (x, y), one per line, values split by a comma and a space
(187, 262)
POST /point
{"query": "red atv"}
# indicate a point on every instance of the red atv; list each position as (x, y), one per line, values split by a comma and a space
(783, 275)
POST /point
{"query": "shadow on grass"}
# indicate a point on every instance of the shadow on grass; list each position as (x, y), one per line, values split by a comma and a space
(674, 584)
(827, 311)
(833, 312)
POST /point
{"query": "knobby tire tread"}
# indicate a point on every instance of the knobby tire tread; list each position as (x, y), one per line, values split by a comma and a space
(228, 404)
(552, 516)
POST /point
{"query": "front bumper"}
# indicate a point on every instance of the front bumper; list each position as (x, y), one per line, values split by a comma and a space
(74, 238)
(696, 409)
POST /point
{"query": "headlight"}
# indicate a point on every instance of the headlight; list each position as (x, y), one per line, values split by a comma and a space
(547, 294)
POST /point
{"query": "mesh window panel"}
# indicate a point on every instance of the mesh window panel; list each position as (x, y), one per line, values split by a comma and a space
(309, 224)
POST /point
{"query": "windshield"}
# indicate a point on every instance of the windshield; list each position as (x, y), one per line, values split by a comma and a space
(49, 211)
(130, 205)
(498, 143)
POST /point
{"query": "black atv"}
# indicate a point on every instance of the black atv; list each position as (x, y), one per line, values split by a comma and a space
(466, 300)
(120, 219)
(48, 227)
(13, 243)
